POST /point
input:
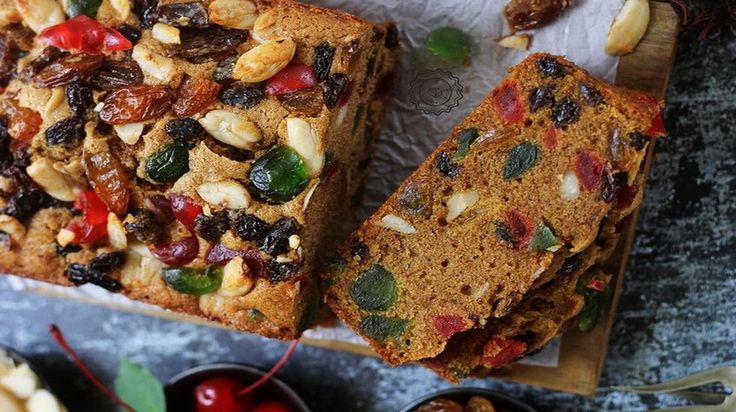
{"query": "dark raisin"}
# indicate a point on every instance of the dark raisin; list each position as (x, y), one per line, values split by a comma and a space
(79, 97)
(161, 207)
(570, 264)
(444, 164)
(276, 241)
(149, 16)
(358, 249)
(4, 140)
(146, 227)
(6, 242)
(541, 305)
(322, 64)
(280, 271)
(224, 70)
(129, 32)
(25, 203)
(250, 227)
(565, 112)
(503, 231)
(212, 43)
(107, 262)
(392, 37)
(611, 183)
(116, 74)
(305, 102)
(69, 132)
(77, 273)
(638, 140)
(192, 14)
(241, 96)
(45, 58)
(65, 250)
(211, 228)
(540, 97)
(551, 67)
(333, 89)
(68, 69)
(186, 131)
(228, 151)
(105, 282)
(590, 95)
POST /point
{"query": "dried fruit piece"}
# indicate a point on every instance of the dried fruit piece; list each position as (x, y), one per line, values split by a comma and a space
(68, 69)
(446, 166)
(479, 404)
(219, 254)
(516, 229)
(224, 70)
(551, 67)
(292, 78)
(589, 170)
(508, 103)
(375, 289)
(552, 138)
(625, 195)
(276, 240)
(334, 88)
(280, 271)
(521, 158)
(465, 138)
(279, 175)
(440, 405)
(416, 200)
(239, 95)
(448, 325)
(177, 252)
(168, 164)
(84, 34)
(135, 103)
(186, 132)
(109, 180)
(69, 132)
(541, 97)
(106, 262)
(23, 123)
(383, 328)
(596, 293)
(116, 74)
(306, 102)
(322, 64)
(192, 281)
(195, 95)
(590, 95)
(212, 227)
(79, 97)
(191, 14)
(47, 56)
(449, 44)
(250, 227)
(264, 61)
(500, 351)
(211, 43)
(145, 226)
(628, 27)
(530, 14)
(86, 7)
(185, 209)
(543, 238)
(638, 140)
(565, 112)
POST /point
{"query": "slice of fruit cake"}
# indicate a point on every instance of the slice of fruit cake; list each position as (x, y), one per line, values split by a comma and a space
(187, 154)
(524, 182)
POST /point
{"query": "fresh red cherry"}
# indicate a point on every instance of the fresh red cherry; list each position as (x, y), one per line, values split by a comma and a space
(272, 406)
(219, 394)
(185, 209)
(292, 78)
(84, 34)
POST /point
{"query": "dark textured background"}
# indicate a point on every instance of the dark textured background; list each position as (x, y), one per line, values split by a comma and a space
(677, 314)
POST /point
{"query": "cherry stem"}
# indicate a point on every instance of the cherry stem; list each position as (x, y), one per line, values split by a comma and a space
(265, 378)
(62, 342)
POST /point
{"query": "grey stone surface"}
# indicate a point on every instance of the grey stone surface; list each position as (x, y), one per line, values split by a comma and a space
(677, 314)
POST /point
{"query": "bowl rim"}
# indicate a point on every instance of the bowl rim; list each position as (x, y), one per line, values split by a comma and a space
(209, 367)
(494, 394)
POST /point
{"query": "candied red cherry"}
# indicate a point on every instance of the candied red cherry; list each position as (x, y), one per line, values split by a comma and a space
(552, 138)
(177, 252)
(272, 406)
(589, 169)
(448, 325)
(292, 78)
(657, 128)
(84, 34)
(507, 103)
(185, 209)
(94, 210)
(520, 227)
(499, 351)
(86, 233)
(219, 394)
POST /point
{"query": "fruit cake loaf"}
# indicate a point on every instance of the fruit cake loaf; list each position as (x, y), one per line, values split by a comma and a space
(188, 154)
(529, 175)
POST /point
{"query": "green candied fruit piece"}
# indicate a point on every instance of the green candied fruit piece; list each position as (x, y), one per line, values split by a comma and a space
(520, 159)
(449, 44)
(464, 139)
(86, 7)
(336, 263)
(255, 314)
(279, 175)
(169, 164)
(375, 289)
(543, 238)
(595, 303)
(383, 328)
(193, 281)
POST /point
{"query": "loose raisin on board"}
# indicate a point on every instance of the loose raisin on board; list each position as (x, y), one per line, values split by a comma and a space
(526, 14)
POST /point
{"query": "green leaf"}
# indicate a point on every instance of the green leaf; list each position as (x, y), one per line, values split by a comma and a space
(521, 158)
(137, 387)
(464, 139)
(543, 238)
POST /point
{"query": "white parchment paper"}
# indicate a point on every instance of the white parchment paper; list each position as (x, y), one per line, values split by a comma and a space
(430, 97)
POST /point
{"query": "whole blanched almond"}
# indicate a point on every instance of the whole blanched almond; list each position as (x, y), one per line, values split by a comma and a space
(229, 128)
(264, 61)
(628, 27)
(303, 138)
(238, 14)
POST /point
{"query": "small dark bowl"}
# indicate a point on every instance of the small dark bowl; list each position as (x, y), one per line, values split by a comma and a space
(180, 389)
(501, 402)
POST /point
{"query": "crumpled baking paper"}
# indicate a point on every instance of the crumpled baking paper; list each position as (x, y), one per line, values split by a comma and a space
(430, 97)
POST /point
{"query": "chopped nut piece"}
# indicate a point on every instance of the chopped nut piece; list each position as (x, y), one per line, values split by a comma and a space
(294, 241)
(129, 133)
(264, 60)
(264, 28)
(303, 138)
(569, 186)
(398, 224)
(58, 96)
(12, 227)
(235, 281)
(57, 184)
(153, 64)
(628, 27)
(229, 128)
(166, 34)
(238, 14)
(228, 193)
(40, 14)
(122, 7)
(115, 232)
(64, 237)
(458, 202)
(517, 41)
